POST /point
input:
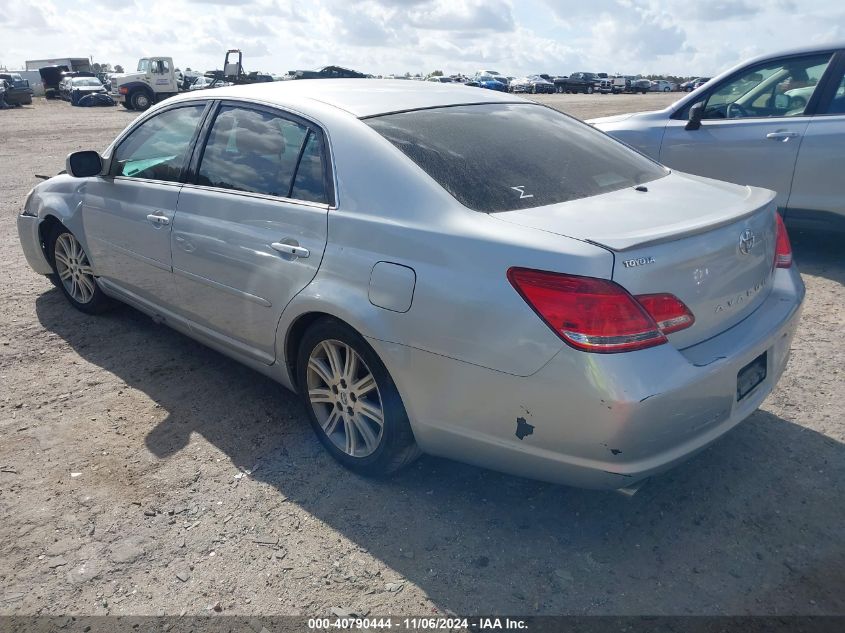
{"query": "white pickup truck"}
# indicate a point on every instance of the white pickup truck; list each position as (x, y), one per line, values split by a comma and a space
(153, 81)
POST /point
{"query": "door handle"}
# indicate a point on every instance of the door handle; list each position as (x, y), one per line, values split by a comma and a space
(781, 136)
(290, 249)
(158, 218)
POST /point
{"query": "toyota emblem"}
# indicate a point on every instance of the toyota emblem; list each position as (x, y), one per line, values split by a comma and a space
(746, 241)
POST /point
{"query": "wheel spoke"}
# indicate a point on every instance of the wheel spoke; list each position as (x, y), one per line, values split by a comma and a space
(319, 395)
(74, 288)
(364, 386)
(87, 287)
(366, 432)
(333, 357)
(372, 411)
(351, 436)
(330, 425)
(85, 269)
(350, 366)
(65, 273)
(319, 367)
(61, 257)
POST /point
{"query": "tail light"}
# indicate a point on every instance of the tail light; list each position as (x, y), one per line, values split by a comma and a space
(598, 315)
(668, 312)
(783, 248)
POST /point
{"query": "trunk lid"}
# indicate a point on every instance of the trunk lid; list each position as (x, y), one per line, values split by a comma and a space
(709, 243)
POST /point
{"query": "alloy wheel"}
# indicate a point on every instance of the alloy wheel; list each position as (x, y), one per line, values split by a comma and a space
(74, 269)
(345, 398)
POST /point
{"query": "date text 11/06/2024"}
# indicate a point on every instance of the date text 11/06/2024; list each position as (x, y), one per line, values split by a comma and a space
(419, 624)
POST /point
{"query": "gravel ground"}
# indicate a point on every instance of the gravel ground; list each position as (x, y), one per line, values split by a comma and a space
(141, 473)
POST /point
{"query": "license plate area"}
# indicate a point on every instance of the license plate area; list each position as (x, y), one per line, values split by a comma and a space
(750, 376)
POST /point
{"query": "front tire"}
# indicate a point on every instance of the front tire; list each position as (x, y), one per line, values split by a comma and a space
(589, 90)
(140, 100)
(352, 402)
(73, 274)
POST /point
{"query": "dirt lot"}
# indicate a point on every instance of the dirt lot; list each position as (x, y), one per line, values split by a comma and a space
(141, 473)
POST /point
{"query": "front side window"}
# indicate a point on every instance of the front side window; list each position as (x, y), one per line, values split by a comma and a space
(143, 65)
(535, 156)
(771, 89)
(258, 152)
(158, 147)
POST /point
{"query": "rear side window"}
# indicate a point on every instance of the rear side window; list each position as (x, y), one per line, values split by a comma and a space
(309, 183)
(502, 157)
(157, 148)
(259, 152)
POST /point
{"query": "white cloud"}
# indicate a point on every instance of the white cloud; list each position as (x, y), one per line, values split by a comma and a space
(391, 36)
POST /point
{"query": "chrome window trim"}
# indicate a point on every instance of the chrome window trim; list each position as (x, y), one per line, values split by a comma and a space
(262, 196)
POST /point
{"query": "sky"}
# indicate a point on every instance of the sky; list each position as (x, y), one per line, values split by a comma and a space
(513, 37)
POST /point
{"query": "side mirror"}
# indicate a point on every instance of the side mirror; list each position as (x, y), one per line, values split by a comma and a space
(84, 164)
(696, 113)
(782, 102)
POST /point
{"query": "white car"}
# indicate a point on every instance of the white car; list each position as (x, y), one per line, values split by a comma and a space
(661, 85)
(776, 121)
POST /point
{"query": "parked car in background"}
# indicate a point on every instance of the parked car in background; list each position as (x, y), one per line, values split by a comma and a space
(74, 88)
(640, 85)
(51, 78)
(776, 121)
(692, 84)
(533, 84)
(536, 307)
(578, 82)
(329, 72)
(441, 80)
(491, 83)
(18, 92)
(662, 85)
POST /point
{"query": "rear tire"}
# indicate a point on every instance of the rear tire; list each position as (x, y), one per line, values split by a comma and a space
(352, 402)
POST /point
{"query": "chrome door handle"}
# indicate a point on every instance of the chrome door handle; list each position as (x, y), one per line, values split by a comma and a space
(781, 136)
(290, 249)
(158, 218)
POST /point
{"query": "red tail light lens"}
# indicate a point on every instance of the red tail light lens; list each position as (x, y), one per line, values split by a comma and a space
(668, 312)
(783, 248)
(594, 315)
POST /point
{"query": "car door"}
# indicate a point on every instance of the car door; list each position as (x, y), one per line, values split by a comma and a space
(127, 215)
(250, 228)
(752, 128)
(818, 187)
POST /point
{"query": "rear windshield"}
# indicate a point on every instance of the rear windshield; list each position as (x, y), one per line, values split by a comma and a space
(502, 157)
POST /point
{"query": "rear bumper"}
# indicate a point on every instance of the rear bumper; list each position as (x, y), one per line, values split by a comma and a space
(30, 240)
(593, 420)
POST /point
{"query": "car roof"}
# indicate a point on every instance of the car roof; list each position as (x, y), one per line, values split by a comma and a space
(366, 97)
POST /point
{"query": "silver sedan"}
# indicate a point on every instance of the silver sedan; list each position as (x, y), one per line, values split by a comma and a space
(776, 121)
(437, 269)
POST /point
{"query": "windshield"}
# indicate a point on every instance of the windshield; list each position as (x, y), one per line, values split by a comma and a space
(87, 81)
(143, 65)
(537, 156)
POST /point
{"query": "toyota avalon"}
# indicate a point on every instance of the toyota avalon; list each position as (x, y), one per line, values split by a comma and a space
(543, 301)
